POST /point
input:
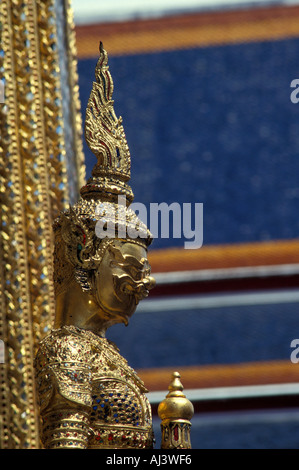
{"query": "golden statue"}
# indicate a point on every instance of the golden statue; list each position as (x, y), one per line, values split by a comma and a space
(89, 397)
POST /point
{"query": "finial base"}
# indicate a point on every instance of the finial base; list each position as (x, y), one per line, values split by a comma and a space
(176, 434)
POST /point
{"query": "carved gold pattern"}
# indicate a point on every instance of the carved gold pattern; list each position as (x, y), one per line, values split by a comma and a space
(96, 399)
(71, 51)
(33, 189)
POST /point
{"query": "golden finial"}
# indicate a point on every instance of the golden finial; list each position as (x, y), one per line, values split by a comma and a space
(175, 411)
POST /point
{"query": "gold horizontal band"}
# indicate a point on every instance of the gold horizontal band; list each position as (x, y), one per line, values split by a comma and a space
(196, 377)
(189, 31)
(225, 256)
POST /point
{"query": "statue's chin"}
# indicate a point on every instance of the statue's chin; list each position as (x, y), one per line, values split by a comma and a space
(120, 317)
(127, 307)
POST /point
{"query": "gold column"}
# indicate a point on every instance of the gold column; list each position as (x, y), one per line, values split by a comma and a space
(34, 167)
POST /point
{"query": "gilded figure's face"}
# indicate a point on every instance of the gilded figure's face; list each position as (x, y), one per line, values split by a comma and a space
(122, 280)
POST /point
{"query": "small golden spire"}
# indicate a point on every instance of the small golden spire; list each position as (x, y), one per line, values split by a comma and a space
(175, 411)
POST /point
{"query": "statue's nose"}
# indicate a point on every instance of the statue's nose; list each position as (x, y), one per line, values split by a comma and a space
(149, 282)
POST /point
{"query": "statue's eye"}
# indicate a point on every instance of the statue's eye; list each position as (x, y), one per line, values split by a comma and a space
(135, 274)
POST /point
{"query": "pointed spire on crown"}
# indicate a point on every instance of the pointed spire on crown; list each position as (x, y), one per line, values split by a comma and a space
(105, 136)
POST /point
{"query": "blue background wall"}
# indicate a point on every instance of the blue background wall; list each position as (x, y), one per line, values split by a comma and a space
(225, 335)
(214, 125)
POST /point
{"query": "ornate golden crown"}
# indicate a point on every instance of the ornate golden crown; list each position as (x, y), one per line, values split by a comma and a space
(76, 238)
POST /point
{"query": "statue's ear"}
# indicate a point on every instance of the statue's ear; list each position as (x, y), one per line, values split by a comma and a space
(78, 242)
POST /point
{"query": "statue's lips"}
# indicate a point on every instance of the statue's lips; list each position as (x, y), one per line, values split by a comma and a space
(138, 291)
(128, 287)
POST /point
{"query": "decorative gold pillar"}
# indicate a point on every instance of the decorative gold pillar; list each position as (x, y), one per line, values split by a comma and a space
(175, 411)
(40, 146)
